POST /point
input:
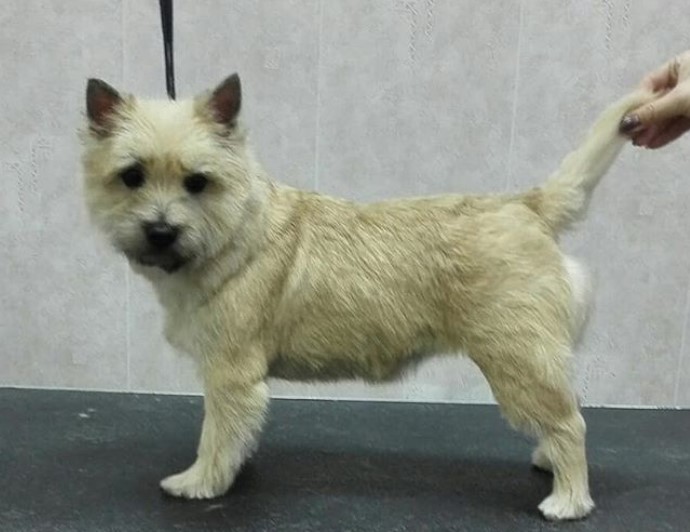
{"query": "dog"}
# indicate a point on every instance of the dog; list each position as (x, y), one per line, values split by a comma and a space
(261, 280)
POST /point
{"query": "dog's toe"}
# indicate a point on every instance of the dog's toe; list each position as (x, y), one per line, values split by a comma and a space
(564, 507)
(193, 484)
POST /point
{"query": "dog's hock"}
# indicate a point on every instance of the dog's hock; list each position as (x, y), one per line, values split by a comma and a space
(226, 100)
(101, 102)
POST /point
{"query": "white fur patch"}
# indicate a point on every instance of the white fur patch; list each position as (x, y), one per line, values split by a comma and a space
(581, 290)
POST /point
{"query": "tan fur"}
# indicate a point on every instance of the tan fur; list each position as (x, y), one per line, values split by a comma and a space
(298, 285)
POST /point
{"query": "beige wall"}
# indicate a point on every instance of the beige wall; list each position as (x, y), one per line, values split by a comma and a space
(365, 99)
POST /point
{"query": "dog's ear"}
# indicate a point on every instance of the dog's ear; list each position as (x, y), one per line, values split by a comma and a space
(225, 101)
(101, 103)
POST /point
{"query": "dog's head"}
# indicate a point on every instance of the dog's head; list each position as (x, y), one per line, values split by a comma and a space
(169, 182)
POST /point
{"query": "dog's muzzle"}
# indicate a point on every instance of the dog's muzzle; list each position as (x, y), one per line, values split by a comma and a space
(160, 251)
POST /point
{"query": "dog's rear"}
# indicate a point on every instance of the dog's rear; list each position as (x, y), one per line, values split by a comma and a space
(565, 196)
(562, 200)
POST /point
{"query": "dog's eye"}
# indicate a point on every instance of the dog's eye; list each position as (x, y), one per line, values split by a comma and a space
(195, 183)
(133, 177)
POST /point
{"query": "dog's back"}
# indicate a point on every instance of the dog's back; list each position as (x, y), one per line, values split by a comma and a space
(377, 286)
(374, 288)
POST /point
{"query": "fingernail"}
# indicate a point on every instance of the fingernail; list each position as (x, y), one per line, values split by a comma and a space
(629, 123)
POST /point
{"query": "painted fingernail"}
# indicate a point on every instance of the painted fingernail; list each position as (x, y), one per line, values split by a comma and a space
(629, 123)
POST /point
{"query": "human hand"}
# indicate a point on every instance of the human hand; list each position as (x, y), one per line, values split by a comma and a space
(664, 120)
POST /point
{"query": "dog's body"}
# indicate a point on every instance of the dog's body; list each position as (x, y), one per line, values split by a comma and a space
(262, 280)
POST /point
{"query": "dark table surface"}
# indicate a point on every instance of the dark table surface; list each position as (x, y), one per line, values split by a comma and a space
(84, 461)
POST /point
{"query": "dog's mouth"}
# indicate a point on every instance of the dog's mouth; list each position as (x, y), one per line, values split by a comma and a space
(168, 261)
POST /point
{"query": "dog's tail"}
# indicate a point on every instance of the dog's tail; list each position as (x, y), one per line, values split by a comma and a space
(563, 199)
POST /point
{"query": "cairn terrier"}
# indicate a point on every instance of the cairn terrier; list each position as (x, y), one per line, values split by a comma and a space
(261, 280)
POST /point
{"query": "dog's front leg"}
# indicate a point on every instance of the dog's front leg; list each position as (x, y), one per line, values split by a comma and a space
(233, 416)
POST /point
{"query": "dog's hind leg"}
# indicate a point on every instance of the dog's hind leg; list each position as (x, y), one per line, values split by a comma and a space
(564, 446)
(534, 395)
(580, 287)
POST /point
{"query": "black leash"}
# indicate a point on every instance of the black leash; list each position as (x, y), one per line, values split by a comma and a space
(167, 24)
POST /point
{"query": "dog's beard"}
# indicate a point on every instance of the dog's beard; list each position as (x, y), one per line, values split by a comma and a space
(169, 261)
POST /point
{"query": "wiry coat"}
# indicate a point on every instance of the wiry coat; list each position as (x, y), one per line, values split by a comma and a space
(297, 285)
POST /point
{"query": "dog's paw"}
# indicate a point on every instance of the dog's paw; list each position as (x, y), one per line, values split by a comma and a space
(541, 461)
(196, 483)
(565, 507)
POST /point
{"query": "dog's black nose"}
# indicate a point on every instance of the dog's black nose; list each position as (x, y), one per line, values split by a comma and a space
(160, 235)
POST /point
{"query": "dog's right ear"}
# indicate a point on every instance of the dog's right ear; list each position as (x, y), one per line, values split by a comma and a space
(102, 102)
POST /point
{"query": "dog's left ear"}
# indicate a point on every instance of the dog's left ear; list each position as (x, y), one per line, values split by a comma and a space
(225, 101)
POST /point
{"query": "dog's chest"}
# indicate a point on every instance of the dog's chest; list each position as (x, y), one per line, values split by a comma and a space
(197, 329)
(181, 307)
(180, 332)
(181, 327)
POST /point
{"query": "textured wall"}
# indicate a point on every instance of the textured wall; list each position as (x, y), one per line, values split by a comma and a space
(357, 98)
